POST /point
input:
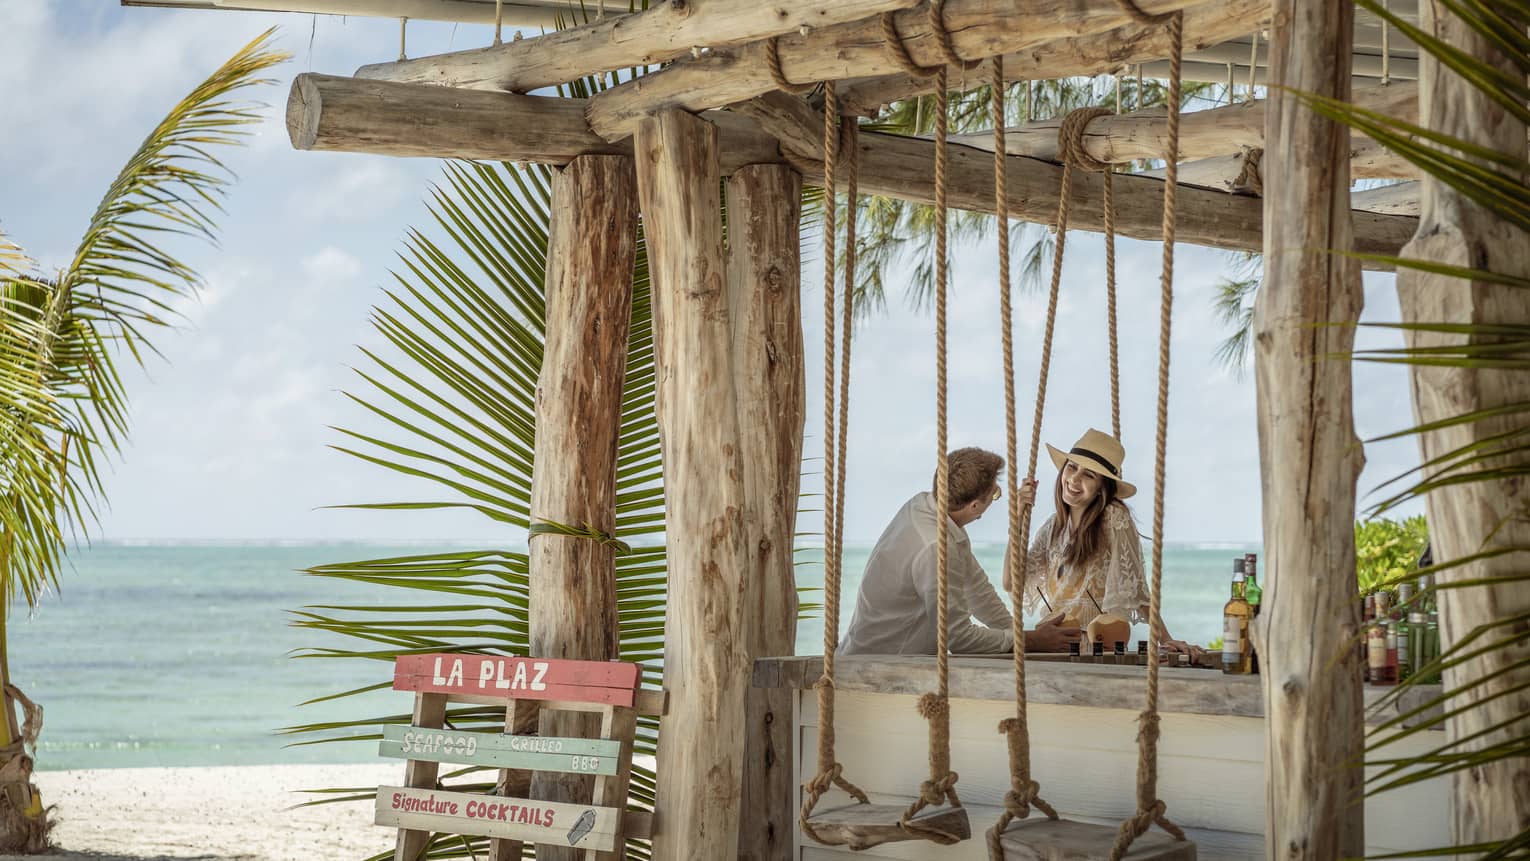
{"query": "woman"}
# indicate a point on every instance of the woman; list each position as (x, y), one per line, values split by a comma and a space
(1086, 559)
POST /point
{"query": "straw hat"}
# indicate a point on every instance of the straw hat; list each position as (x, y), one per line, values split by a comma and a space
(1100, 453)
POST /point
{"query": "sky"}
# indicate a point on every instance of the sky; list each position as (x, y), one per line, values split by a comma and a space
(231, 429)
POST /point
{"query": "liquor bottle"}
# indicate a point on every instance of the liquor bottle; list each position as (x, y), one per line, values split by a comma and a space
(1369, 619)
(1418, 636)
(1142, 653)
(1251, 591)
(1432, 637)
(1376, 654)
(1391, 653)
(1073, 652)
(1235, 616)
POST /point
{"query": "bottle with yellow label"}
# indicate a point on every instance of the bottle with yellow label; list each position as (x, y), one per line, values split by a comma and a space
(1236, 650)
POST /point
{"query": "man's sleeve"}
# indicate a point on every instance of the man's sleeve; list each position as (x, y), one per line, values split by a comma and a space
(961, 634)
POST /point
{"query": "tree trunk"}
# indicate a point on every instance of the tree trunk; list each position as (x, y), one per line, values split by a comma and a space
(1492, 802)
(24, 824)
(706, 660)
(590, 251)
(764, 294)
(1309, 456)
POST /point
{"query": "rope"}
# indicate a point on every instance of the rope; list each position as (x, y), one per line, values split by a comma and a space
(943, 36)
(1253, 66)
(403, 30)
(1386, 44)
(1024, 791)
(899, 51)
(1070, 142)
(1150, 808)
(936, 707)
(773, 60)
(499, 17)
(830, 772)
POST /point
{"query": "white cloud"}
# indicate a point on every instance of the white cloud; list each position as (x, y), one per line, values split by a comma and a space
(330, 265)
(361, 188)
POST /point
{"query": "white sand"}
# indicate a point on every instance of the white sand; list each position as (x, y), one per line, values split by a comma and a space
(213, 814)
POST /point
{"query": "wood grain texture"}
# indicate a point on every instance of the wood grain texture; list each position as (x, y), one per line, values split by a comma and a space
(862, 826)
(1309, 455)
(765, 298)
(1041, 839)
(654, 35)
(978, 28)
(591, 247)
(1492, 802)
(706, 666)
(1182, 691)
(900, 167)
(1143, 134)
(429, 712)
(1206, 24)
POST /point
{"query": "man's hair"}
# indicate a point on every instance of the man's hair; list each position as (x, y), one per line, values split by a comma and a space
(970, 473)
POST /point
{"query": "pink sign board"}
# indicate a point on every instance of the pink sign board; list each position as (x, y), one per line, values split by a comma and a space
(605, 682)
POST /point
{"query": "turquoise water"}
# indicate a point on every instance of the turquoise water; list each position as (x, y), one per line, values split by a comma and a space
(174, 655)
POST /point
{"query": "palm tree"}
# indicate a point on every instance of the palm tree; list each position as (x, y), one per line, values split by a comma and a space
(62, 403)
(457, 389)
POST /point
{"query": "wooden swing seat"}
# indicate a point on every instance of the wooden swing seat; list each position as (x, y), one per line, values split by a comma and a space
(1042, 839)
(861, 826)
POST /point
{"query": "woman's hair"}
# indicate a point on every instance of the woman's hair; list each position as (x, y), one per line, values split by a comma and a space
(970, 473)
(1090, 538)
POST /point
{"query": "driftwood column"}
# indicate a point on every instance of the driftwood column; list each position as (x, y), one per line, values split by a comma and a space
(765, 299)
(1308, 452)
(590, 250)
(1491, 802)
(706, 660)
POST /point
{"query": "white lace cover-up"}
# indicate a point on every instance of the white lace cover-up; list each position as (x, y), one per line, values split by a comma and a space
(1113, 578)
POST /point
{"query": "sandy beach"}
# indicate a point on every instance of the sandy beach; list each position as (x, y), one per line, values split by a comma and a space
(236, 813)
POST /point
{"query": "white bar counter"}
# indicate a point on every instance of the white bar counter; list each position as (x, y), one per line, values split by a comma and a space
(1083, 725)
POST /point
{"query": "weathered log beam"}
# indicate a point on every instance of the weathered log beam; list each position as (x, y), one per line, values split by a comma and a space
(899, 167)
(591, 246)
(1206, 24)
(347, 115)
(1236, 174)
(706, 665)
(1400, 198)
(1309, 454)
(655, 35)
(330, 113)
(1492, 799)
(764, 205)
(979, 29)
(1144, 134)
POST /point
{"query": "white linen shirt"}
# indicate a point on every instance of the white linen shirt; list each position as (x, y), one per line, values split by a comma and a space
(895, 613)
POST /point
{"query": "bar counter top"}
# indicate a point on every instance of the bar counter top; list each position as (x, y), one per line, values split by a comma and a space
(1054, 682)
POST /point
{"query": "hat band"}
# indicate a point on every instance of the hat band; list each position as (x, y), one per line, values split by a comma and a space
(1109, 467)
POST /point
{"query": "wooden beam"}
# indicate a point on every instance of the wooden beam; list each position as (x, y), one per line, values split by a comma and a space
(1309, 455)
(335, 114)
(1468, 518)
(1401, 198)
(1144, 134)
(979, 29)
(591, 246)
(765, 296)
(706, 666)
(655, 35)
(344, 114)
(1236, 174)
(1206, 24)
(899, 167)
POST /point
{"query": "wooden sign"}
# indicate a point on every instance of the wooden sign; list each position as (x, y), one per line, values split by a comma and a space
(547, 822)
(605, 682)
(538, 753)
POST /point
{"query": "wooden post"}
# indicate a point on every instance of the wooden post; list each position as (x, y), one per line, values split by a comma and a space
(590, 251)
(429, 711)
(1309, 455)
(764, 294)
(706, 660)
(1491, 801)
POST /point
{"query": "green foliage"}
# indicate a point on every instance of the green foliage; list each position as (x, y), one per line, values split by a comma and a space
(63, 408)
(1387, 551)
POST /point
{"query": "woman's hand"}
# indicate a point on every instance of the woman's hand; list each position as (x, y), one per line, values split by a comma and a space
(1027, 492)
(1180, 647)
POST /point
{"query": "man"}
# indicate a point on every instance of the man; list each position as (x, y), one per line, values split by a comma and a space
(895, 613)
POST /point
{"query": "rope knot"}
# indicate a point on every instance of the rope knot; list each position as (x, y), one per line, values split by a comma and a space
(821, 782)
(1009, 726)
(1018, 803)
(824, 683)
(1070, 138)
(934, 707)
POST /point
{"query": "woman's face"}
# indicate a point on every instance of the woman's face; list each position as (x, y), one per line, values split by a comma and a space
(1079, 485)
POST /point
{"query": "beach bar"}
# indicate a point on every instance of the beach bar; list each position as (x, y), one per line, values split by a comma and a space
(746, 102)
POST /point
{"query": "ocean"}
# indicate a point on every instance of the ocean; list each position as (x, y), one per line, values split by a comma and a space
(179, 654)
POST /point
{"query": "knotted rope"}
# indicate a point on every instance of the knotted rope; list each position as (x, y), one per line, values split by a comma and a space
(936, 707)
(1150, 808)
(830, 772)
(773, 60)
(1070, 140)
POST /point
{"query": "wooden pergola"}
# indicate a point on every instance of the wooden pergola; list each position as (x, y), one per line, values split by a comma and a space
(727, 319)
